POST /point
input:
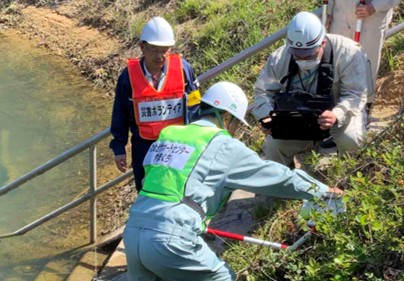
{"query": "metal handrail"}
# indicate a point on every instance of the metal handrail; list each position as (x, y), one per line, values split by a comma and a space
(91, 142)
(91, 195)
(55, 161)
(394, 30)
(68, 206)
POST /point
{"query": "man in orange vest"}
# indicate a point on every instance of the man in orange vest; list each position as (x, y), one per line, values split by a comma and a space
(153, 91)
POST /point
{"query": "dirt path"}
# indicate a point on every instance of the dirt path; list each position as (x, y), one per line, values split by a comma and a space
(65, 36)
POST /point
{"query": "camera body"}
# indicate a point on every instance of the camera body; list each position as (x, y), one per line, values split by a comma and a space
(295, 116)
(302, 100)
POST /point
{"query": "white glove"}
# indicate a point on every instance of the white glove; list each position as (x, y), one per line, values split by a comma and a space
(332, 203)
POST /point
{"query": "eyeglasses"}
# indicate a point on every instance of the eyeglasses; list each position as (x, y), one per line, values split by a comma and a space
(156, 49)
(301, 56)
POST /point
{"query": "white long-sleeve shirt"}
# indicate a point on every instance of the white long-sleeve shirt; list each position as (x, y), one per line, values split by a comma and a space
(349, 88)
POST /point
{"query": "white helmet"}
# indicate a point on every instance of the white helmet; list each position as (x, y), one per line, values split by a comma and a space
(305, 33)
(158, 32)
(228, 97)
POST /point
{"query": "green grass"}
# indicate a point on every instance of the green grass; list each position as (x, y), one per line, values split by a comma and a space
(393, 48)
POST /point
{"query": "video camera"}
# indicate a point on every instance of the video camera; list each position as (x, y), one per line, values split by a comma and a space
(295, 116)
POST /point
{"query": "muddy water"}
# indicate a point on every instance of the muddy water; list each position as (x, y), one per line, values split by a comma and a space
(46, 107)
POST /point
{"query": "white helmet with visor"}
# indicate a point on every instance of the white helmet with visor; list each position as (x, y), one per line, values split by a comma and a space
(229, 97)
(158, 32)
(304, 34)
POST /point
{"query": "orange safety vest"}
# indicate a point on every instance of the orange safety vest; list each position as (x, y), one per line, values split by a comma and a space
(155, 110)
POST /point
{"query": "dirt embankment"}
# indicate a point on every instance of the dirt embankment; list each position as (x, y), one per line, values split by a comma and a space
(389, 99)
(99, 56)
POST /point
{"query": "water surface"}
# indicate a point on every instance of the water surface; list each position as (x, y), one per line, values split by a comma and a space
(46, 107)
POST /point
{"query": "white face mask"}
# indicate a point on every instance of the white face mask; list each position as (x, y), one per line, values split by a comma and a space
(308, 64)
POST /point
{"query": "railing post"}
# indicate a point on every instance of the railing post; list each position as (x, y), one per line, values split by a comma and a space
(93, 186)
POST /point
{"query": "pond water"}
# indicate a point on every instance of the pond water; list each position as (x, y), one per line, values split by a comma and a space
(46, 107)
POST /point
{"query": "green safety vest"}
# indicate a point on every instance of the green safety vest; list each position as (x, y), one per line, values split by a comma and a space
(171, 159)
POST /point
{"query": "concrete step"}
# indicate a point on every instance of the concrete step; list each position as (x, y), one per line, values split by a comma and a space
(115, 268)
(55, 270)
(236, 217)
(95, 257)
(88, 266)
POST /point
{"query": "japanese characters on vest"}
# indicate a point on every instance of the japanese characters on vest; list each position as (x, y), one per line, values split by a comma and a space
(157, 109)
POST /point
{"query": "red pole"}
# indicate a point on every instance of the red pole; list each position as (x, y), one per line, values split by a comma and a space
(221, 233)
(358, 27)
(252, 240)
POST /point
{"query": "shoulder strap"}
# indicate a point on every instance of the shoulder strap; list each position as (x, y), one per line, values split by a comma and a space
(292, 71)
(326, 71)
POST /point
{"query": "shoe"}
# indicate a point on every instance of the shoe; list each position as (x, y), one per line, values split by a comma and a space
(328, 143)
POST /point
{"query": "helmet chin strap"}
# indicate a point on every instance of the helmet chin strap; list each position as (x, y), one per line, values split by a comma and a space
(219, 119)
(218, 116)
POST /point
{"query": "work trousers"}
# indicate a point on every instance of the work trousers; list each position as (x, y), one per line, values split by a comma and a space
(139, 151)
(348, 138)
(153, 256)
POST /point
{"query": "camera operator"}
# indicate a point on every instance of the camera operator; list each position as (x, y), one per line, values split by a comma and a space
(321, 65)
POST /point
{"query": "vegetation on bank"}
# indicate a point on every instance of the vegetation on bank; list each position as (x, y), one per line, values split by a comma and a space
(365, 243)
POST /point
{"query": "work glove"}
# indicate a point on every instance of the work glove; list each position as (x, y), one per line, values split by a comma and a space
(331, 202)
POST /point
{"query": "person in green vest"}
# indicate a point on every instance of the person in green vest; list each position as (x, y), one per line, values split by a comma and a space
(190, 171)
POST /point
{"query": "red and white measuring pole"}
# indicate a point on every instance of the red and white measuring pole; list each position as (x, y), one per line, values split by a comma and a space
(324, 12)
(265, 243)
(358, 27)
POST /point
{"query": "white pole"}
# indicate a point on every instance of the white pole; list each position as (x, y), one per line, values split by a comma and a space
(324, 13)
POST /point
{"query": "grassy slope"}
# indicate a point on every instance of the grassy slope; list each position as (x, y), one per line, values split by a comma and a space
(365, 243)
(210, 32)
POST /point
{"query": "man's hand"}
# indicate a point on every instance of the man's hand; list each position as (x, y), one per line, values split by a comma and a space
(364, 11)
(120, 161)
(326, 120)
(264, 121)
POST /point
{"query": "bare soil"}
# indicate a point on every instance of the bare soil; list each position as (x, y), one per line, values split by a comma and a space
(389, 101)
